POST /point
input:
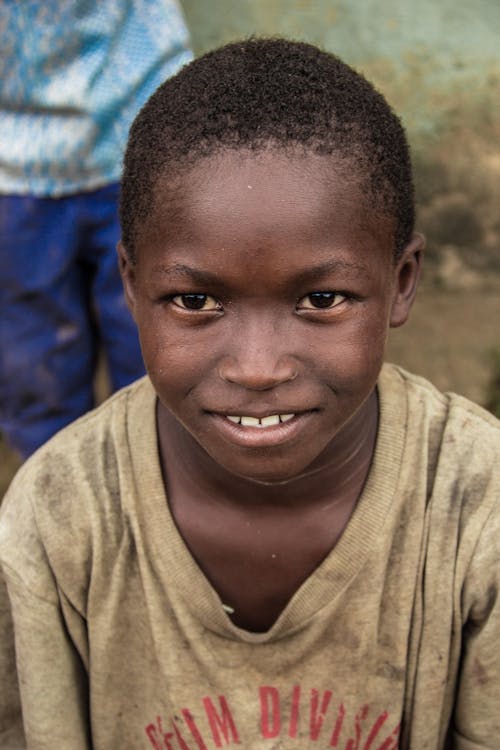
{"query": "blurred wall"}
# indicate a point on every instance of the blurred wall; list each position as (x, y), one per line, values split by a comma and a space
(438, 63)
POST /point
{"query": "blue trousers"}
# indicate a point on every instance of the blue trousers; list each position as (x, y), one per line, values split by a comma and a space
(61, 302)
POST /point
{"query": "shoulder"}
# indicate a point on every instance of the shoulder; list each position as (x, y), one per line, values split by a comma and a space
(68, 496)
(452, 453)
(459, 421)
(454, 430)
(83, 457)
(456, 443)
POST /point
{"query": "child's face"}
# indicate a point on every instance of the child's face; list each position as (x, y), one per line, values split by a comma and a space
(264, 287)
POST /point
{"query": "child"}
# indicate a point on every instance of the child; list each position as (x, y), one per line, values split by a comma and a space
(273, 541)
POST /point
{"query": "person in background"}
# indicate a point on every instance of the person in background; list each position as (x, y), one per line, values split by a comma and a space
(73, 75)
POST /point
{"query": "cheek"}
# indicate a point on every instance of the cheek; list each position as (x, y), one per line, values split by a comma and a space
(175, 359)
(350, 355)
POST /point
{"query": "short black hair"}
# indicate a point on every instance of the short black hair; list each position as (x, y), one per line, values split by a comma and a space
(265, 92)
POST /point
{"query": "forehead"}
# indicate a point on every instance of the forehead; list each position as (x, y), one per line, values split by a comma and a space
(245, 200)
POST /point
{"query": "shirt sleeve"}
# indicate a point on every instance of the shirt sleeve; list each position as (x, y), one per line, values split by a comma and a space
(53, 679)
(11, 723)
(477, 709)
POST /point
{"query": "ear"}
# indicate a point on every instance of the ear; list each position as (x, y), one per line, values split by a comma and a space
(128, 273)
(407, 275)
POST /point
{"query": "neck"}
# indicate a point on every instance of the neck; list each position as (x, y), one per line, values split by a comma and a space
(337, 475)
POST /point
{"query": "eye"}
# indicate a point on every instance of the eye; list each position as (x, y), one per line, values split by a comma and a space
(320, 300)
(203, 302)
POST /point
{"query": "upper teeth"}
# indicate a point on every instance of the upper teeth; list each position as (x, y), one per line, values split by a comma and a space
(270, 421)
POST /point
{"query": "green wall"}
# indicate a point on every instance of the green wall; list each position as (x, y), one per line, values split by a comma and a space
(438, 63)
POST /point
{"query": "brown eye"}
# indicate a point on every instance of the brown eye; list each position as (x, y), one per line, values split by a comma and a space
(196, 302)
(320, 300)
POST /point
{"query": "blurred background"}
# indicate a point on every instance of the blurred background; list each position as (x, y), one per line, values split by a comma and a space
(438, 63)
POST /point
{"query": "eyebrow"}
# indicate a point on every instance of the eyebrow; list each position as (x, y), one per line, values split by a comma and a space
(193, 274)
(336, 265)
(308, 275)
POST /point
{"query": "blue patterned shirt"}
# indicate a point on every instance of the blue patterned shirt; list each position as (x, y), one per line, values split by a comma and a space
(73, 74)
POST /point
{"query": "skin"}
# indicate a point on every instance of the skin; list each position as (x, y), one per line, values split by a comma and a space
(254, 235)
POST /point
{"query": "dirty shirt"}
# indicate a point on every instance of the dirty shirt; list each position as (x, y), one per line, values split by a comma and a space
(393, 641)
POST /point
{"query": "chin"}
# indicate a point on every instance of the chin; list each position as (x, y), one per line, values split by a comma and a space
(275, 475)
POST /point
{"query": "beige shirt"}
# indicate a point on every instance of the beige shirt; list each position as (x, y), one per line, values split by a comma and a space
(393, 642)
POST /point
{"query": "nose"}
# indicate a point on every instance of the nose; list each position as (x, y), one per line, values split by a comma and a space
(257, 361)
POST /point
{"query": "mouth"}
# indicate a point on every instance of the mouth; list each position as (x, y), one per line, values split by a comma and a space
(261, 432)
(261, 423)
